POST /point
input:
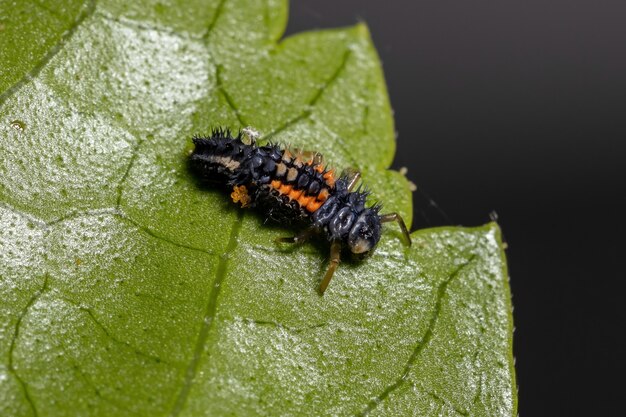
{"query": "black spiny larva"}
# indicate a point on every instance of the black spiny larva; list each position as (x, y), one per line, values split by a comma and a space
(293, 187)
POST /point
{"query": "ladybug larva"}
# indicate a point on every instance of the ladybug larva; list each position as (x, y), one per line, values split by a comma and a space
(293, 187)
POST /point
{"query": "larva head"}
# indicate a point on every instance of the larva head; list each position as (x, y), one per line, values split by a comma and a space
(365, 232)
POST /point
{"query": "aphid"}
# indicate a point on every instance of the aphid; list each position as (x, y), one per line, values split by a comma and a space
(293, 186)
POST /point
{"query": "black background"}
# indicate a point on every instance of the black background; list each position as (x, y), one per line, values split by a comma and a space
(519, 107)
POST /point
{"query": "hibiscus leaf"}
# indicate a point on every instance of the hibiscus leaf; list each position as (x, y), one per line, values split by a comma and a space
(127, 289)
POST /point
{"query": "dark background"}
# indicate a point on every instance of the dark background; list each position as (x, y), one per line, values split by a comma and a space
(519, 107)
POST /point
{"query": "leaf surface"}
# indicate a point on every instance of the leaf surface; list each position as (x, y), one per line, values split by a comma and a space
(125, 289)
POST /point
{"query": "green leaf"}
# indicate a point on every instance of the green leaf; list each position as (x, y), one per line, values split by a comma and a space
(127, 290)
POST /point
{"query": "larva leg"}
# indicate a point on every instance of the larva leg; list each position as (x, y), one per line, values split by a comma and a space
(335, 255)
(299, 238)
(395, 217)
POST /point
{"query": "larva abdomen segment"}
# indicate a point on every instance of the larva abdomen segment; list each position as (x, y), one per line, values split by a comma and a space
(303, 182)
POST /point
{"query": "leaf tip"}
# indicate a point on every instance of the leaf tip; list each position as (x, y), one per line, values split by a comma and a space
(362, 30)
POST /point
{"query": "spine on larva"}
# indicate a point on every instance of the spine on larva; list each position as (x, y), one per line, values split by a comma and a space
(219, 158)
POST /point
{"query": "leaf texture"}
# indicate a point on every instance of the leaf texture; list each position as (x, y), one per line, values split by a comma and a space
(125, 289)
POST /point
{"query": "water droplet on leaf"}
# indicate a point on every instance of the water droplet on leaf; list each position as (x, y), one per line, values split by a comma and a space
(18, 125)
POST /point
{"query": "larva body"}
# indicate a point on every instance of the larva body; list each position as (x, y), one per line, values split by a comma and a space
(291, 187)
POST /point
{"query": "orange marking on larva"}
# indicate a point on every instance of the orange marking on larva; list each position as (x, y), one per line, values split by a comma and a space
(313, 206)
(276, 184)
(323, 195)
(319, 168)
(329, 176)
(295, 194)
(285, 189)
(304, 200)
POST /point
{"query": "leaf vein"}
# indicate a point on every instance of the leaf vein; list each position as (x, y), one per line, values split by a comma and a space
(227, 96)
(11, 366)
(98, 393)
(111, 211)
(156, 235)
(86, 213)
(134, 24)
(129, 166)
(108, 334)
(218, 13)
(422, 343)
(25, 215)
(443, 401)
(209, 317)
(306, 112)
(89, 8)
